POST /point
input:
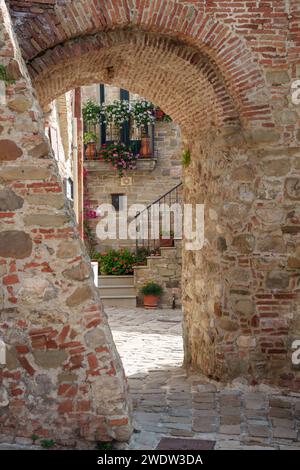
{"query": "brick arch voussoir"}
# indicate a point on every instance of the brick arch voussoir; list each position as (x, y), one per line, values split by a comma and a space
(59, 22)
(86, 61)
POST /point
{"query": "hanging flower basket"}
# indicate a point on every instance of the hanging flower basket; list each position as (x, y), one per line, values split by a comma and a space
(120, 157)
(91, 214)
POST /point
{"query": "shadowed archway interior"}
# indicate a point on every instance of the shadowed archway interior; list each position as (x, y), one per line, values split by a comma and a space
(238, 291)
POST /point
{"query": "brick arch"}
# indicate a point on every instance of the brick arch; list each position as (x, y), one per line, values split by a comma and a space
(238, 278)
(42, 28)
(149, 65)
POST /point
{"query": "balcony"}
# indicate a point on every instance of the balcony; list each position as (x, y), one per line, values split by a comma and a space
(146, 164)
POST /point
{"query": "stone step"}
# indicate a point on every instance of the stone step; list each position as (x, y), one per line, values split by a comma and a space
(119, 301)
(112, 291)
(104, 281)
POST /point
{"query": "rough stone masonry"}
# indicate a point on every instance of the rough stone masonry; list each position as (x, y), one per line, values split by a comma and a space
(223, 71)
(63, 378)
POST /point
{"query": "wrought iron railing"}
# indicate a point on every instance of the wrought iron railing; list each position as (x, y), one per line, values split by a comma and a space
(151, 222)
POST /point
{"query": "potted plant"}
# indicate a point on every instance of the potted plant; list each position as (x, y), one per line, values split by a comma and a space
(166, 239)
(145, 151)
(117, 262)
(141, 256)
(143, 115)
(159, 114)
(90, 139)
(152, 293)
(120, 157)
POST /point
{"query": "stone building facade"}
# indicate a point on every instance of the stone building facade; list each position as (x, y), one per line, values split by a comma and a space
(224, 71)
(154, 176)
(62, 374)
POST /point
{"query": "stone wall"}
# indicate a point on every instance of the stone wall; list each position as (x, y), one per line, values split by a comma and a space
(224, 72)
(241, 291)
(63, 378)
(146, 185)
(164, 270)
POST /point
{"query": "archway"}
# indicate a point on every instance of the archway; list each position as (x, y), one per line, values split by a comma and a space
(236, 278)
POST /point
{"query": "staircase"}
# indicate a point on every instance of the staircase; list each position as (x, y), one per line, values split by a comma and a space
(164, 269)
(164, 263)
(117, 291)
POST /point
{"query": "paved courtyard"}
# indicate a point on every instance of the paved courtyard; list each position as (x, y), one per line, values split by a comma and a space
(168, 402)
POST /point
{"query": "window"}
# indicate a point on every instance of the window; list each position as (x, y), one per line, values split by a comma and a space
(117, 202)
(70, 189)
(129, 134)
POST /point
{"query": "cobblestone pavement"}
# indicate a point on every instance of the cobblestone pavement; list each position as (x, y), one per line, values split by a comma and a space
(168, 402)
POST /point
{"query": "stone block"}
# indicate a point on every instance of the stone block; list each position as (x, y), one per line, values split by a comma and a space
(56, 201)
(24, 173)
(80, 272)
(20, 103)
(9, 150)
(243, 173)
(244, 307)
(285, 433)
(292, 188)
(277, 77)
(40, 150)
(262, 136)
(259, 430)
(244, 243)
(68, 249)
(46, 220)
(15, 244)
(277, 280)
(9, 201)
(231, 429)
(80, 295)
(49, 359)
(227, 324)
(293, 262)
(95, 338)
(247, 342)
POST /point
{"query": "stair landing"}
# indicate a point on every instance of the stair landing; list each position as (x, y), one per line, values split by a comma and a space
(117, 291)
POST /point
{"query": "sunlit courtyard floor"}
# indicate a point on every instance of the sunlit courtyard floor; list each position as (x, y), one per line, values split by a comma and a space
(168, 402)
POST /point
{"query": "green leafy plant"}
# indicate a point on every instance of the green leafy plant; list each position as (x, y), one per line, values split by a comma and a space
(120, 157)
(165, 234)
(161, 116)
(167, 118)
(117, 262)
(89, 239)
(89, 137)
(152, 288)
(116, 113)
(186, 158)
(4, 76)
(141, 255)
(34, 438)
(91, 113)
(47, 443)
(143, 113)
(104, 446)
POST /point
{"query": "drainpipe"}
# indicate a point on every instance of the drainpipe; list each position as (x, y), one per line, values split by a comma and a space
(78, 160)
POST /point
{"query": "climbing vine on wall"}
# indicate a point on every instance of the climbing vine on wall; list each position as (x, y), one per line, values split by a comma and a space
(89, 237)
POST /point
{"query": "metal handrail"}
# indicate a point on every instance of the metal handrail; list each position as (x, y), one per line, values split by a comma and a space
(149, 242)
(157, 200)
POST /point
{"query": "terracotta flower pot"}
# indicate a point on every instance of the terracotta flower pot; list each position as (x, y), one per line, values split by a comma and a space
(166, 242)
(145, 147)
(151, 301)
(90, 151)
(159, 114)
